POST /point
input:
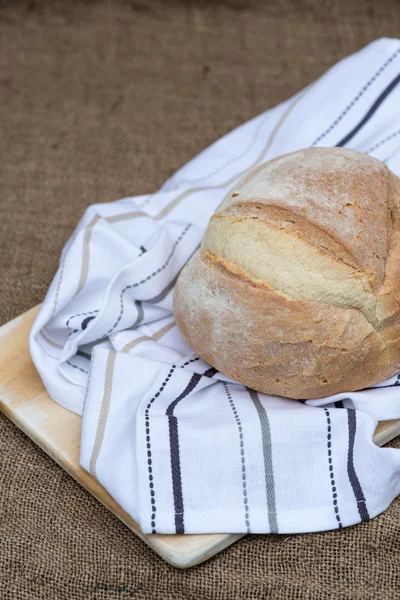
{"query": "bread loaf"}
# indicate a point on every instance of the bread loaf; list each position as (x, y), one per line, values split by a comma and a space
(296, 288)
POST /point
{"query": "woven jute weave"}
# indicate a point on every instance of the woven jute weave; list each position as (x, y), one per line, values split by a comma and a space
(100, 100)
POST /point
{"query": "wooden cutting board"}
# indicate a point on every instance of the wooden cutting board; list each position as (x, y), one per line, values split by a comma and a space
(56, 430)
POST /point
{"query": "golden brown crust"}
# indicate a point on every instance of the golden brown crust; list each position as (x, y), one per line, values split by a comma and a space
(301, 348)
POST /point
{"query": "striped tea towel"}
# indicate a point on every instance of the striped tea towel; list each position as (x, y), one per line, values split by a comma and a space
(180, 447)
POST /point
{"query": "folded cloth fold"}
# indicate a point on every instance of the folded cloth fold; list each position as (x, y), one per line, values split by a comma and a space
(182, 448)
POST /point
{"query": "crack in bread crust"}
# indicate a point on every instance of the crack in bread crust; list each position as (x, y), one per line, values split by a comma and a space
(285, 219)
(215, 261)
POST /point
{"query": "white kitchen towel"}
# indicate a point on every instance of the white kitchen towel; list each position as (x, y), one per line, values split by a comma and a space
(180, 447)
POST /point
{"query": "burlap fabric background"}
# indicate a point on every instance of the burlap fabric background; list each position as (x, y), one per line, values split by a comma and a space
(100, 100)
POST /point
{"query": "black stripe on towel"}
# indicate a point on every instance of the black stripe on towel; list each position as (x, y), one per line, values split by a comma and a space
(242, 458)
(357, 97)
(148, 446)
(355, 483)
(370, 112)
(175, 452)
(331, 473)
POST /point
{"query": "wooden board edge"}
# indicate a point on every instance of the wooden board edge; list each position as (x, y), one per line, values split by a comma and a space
(212, 547)
(386, 432)
(213, 543)
(7, 327)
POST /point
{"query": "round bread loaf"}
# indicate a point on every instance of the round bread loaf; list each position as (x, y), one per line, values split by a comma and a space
(296, 288)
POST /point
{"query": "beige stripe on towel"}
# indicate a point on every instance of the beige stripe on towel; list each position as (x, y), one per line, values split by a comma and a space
(104, 409)
(144, 338)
